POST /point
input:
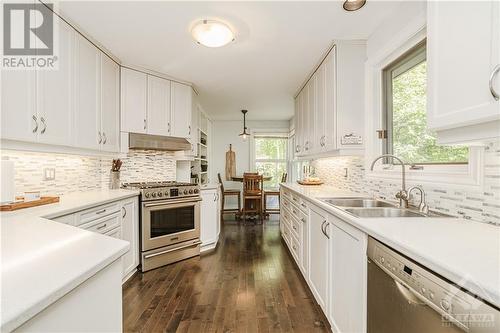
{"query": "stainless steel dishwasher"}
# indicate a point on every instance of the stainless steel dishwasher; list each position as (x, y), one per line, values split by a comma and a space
(403, 296)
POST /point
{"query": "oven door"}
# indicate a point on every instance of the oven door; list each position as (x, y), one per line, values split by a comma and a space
(169, 222)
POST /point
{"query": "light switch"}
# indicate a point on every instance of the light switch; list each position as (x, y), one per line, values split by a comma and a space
(49, 174)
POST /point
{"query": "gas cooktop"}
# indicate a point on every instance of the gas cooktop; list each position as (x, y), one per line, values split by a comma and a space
(164, 190)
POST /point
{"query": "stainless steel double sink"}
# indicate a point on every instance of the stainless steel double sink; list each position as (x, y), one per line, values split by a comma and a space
(370, 208)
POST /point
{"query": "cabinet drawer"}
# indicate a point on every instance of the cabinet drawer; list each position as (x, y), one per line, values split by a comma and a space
(286, 203)
(115, 233)
(103, 225)
(286, 234)
(303, 205)
(295, 199)
(86, 216)
(295, 212)
(295, 227)
(287, 194)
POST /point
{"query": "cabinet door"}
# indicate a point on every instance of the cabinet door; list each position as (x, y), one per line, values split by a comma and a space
(319, 259)
(311, 110)
(304, 244)
(133, 101)
(110, 101)
(55, 89)
(319, 114)
(460, 60)
(329, 118)
(18, 113)
(130, 233)
(181, 110)
(348, 278)
(86, 127)
(158, 116)
(208, 215)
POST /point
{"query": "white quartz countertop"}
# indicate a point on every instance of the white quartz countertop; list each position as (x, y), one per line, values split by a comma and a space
(465, 252)
(42, 260)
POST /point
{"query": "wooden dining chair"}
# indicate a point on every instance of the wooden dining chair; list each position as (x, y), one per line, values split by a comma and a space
(253, 193)
(228, 193)
(275, 192)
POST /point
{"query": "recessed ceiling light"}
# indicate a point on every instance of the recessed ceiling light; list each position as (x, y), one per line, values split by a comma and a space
(212, 33)
(352, 5)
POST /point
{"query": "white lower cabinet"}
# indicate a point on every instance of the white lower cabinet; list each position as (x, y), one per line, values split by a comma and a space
(209, 219)
(347, 309)
(119, 219)
(319, 257)
(130, 233)
(331, 254)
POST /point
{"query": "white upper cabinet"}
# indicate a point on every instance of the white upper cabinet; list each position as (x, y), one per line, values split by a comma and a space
(110, 105)
(331, 104)
(181, 97)
(461, 60)
(55, 92)
(86, 127)
(158, 107)
(19, 120)
(133, 101)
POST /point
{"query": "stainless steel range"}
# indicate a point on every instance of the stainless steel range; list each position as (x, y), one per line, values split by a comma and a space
(170, 222)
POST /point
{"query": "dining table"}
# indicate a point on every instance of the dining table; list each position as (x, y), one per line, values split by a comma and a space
(240, 178)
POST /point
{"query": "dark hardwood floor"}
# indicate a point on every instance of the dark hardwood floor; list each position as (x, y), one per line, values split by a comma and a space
(248, 284)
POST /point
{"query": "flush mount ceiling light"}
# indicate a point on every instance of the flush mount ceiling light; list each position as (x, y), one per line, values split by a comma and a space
(352, 5)
(212, 33)
(244, 135)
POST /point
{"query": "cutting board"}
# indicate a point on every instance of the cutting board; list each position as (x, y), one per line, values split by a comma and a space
(230, 163)
(305, 182)
(29, 204)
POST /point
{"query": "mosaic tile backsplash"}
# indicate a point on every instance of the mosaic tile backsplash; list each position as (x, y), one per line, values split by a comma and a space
(83, 173)
(478, 204)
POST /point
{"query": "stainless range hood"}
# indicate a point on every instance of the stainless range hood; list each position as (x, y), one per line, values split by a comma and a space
(157, 142)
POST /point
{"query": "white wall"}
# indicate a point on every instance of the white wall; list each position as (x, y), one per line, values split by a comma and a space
(225, 133)
(402, 17)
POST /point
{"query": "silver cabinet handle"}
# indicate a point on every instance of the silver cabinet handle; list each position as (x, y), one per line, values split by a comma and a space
(322, 226)
(145, 124)
(124, 212)
(189, 130)
(44, 125)
(303, 205)
(215, 197)
(492, 78)
(297, 149)
(102, 226)
(326, 230)
(100, 137)
(303, 220)
(171, 250)
(105, 138)
(36, 124)
(101, 211)
(168, 127)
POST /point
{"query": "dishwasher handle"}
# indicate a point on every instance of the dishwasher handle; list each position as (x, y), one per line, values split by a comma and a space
(409, 294)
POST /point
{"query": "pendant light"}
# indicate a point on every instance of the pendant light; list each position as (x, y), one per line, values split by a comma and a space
(244, 135)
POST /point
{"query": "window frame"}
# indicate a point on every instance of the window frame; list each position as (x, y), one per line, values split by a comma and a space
(453, 175)
(275, 133)
(413, 57)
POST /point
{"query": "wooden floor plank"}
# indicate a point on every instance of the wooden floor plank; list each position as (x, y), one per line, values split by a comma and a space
(250, 283)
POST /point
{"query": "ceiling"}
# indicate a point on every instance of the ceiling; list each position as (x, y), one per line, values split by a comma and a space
(277, 45)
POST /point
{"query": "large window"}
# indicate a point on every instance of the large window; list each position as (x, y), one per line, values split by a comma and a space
(405, 117)
(270, 157)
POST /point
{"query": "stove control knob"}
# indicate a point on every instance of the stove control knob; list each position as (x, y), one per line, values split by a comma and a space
(153, 194)
(160, 194)
(191, 191)
(146, 195)
(166, 193)
(185, 191)
(196, 190)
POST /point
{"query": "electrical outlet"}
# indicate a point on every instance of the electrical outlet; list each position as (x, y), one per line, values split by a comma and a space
(49, 174)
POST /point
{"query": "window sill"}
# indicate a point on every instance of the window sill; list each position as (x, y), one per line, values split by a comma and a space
(451, 174)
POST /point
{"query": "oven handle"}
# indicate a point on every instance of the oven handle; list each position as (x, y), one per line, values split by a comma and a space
(171, 250)
(167, 202)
